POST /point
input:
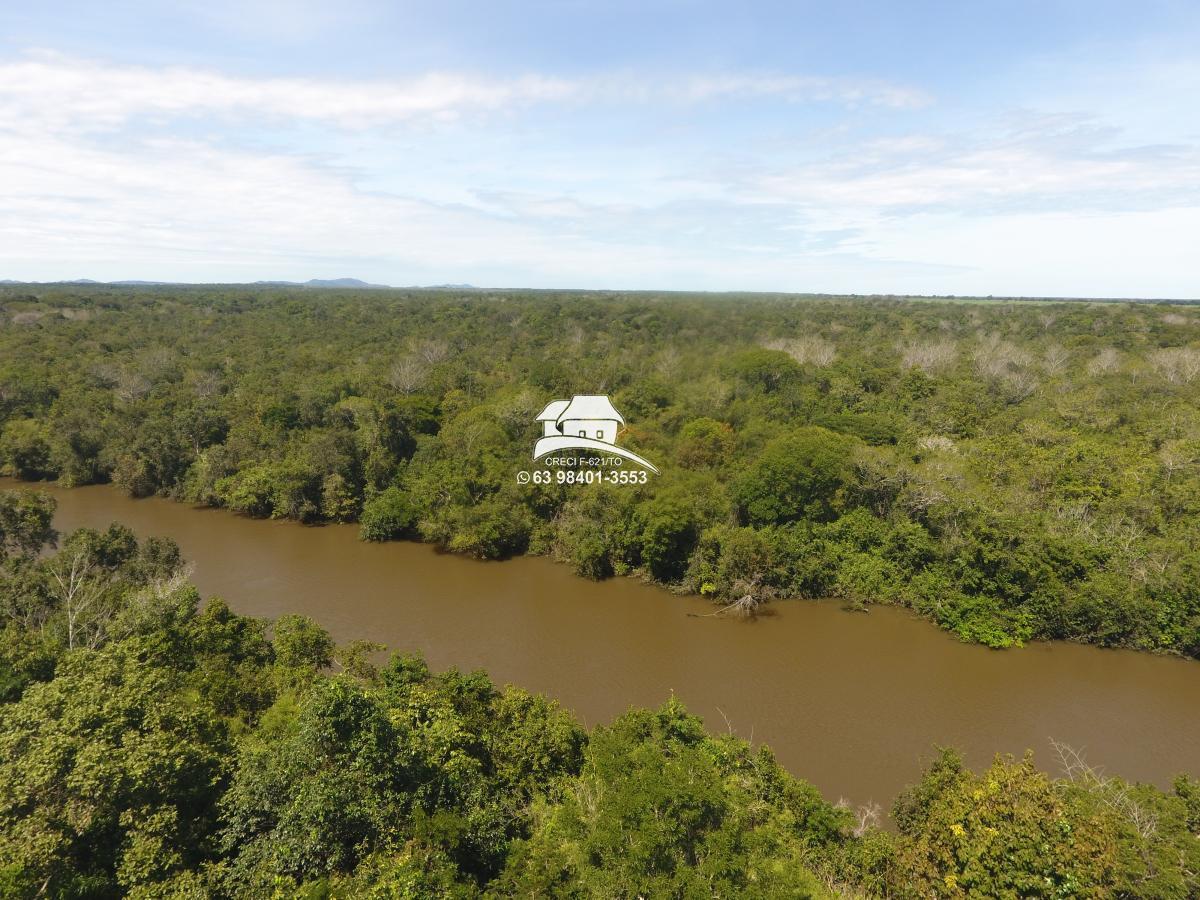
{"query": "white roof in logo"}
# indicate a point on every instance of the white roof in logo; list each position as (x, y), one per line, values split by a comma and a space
(583, 412)
(588, 406)
(553, 410)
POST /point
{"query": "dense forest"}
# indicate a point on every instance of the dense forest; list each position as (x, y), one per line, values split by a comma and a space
(152, 746)
(1010, 470)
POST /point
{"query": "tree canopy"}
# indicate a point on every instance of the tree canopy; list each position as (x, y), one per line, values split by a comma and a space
(187, 751)
(1010, 470)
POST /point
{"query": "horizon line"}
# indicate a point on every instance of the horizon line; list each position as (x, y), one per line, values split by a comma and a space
(331, 283)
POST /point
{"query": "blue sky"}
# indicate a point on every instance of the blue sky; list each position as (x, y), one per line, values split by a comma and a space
(1048, 148)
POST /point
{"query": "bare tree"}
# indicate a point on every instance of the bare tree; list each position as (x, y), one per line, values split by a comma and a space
(866, 817)
(1178, 365)
(748, 595)
(1055, 359)
(518, 410)
(1116, 795)
(669, 362)
(205, 384)
(408, 374)
(937, 443)
(1020, 385)
(928, 355)
(1107, 360)
(157, 363)
(155, 602)
(707, 394)
(998, 358)
(106, 372)
(432, 352)
(81, 590)
(808, 349)
(131, 386)
(1178, 456)
(929, 487)
(1005, 362)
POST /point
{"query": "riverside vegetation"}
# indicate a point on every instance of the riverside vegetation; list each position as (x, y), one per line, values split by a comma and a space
(1010, 470)
(152, 746)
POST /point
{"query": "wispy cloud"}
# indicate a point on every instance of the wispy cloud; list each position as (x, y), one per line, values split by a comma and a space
(543, 179)
(799, 89)
(1030, 165)
(52, 90)
(59, 91)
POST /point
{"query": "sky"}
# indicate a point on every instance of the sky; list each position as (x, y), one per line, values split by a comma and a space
(1047, 148)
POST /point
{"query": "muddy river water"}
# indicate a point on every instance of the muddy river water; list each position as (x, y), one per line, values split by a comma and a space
(852, 702)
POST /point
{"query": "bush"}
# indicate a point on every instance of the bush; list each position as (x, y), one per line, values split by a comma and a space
(705, 443)
(668, 535)
(388, 516)
(300, 643)
(801, 475)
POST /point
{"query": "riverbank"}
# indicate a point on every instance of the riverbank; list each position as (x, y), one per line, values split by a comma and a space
(852, 702)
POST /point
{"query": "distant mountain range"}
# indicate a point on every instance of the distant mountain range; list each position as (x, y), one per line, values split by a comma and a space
(324, 283)
(311, 283)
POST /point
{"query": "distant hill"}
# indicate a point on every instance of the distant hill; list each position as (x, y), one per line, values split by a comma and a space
(325, 283)
(341, 283)
(135, 282)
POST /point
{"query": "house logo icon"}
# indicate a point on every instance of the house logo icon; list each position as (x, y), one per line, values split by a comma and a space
(585, 422)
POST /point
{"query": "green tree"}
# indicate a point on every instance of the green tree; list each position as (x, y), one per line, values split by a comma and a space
(705, 443)
(301, 644)
(1007, 832)
(668, 533)
(660, 810)
(800, 475)
(25, 448)
(109, 778)
(25, 523)
(387, 516)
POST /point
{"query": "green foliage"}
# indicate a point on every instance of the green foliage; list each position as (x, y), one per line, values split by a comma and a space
(109, 776)
(1031, 471)
(186, 755)
(25, 523)
(25, 447)
(662, 810)
(800, 475)
(668, 531)
(764, 370)
(302, 644)
(870, 428)
(387, 516)
(1007, 832)
(1012, 831)
(705, 443)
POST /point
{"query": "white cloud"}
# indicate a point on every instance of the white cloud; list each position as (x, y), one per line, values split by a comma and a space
(982, 175)
(61, 92)
(56, 91)
(186, 207)
(1149, 254)
(98, 176)
(789, 88)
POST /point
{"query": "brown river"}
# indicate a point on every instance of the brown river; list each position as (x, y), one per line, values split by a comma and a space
(852, 702)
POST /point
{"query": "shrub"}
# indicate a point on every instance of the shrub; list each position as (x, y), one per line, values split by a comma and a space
(387, 516)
